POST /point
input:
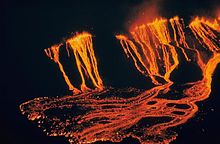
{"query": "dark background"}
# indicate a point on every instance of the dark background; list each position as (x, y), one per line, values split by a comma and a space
(30, 27)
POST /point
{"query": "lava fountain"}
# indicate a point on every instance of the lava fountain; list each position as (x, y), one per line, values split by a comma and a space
(103, 113)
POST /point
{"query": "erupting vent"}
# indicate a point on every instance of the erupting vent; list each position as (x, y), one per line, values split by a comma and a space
(111, 114)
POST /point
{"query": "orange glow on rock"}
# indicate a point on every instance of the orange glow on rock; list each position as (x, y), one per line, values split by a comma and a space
(147, 115)
(53, 54)
(201, 29)
(82, 48)
(151, 46)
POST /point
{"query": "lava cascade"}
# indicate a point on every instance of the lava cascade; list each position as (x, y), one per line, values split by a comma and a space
(82, 48)
(147, 115)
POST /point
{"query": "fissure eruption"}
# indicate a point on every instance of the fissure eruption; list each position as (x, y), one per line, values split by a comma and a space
(105, 113)
(82, 48)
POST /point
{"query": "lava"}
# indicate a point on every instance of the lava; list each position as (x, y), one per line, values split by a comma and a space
(82, 48)
(147, 115)
(152, 47)
(53, 54)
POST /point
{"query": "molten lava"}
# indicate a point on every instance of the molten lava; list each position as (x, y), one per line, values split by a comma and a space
(147, 115)
(53, 54)
(152, 47)
(82, 48)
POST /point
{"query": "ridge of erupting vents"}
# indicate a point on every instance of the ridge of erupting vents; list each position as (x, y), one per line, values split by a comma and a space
(147, 115)
(151, 48)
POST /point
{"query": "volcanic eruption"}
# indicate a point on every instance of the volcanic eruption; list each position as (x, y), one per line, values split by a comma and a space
(103, 113)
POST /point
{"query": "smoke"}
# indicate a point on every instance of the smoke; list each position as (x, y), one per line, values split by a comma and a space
(217, 13)
(145, 12)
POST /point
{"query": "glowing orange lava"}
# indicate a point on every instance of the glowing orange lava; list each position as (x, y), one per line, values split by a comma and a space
(152, 46)
(53, 54)
(147, 115)
(82, 47)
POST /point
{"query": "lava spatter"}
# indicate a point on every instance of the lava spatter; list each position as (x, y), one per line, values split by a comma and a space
(147, 115)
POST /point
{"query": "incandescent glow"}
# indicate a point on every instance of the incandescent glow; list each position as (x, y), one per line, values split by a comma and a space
(148, 115)
(152, 44)
(151, 47)
(82, 48)
(53, 54)
(202, 30)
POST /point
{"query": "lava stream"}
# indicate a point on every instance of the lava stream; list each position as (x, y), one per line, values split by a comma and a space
(82, 48)
(147, 115)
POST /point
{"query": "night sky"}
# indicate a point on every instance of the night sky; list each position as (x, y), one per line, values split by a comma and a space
(30, 27)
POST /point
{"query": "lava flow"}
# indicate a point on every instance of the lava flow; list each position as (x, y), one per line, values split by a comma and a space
(82, 47)
(156, 49)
